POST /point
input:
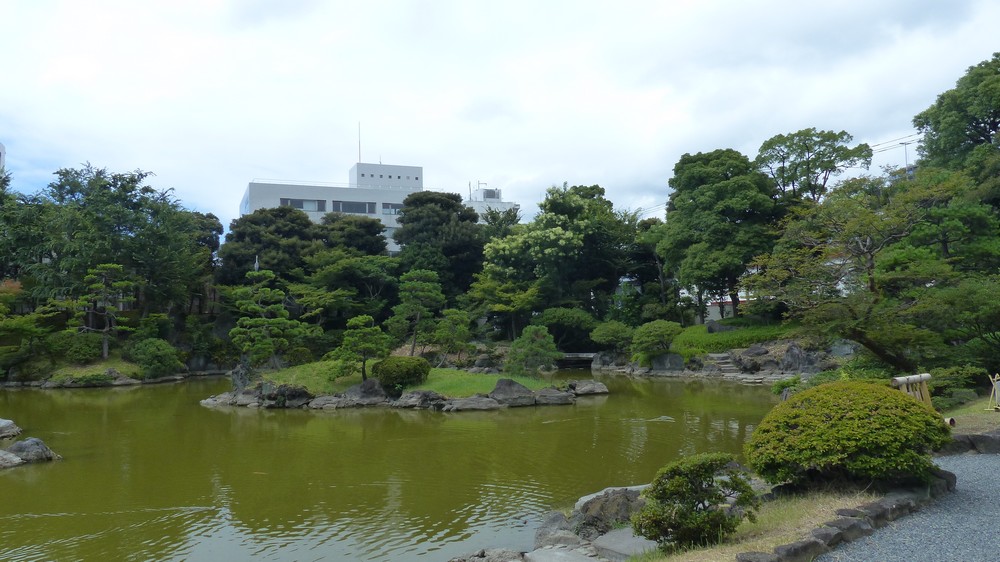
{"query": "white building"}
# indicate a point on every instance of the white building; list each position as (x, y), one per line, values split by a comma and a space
(374, 190)
(482, 199)
(3, 155)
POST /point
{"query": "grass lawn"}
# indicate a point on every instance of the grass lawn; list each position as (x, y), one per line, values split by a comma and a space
(973, 417)
(453, 383)
(96, 370)
(781, 521)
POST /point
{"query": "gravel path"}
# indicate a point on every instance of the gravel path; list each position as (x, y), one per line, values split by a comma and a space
(963, 526)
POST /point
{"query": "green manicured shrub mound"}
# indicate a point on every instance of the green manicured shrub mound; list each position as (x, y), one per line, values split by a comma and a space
(533, 350)
(156, 358)
(397, 373)
(847, 430)
(697, 500)
(695, 340)
(79, 348)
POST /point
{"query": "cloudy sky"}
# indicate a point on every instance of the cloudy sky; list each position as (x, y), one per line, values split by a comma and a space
(211, 94)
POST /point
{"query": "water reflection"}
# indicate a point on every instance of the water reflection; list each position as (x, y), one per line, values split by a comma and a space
(150, 474)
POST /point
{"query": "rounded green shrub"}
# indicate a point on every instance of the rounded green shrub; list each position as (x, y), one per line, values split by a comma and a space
(397, 373)
(535, 349)
(697, 500)
(156, 357)
(847, 430)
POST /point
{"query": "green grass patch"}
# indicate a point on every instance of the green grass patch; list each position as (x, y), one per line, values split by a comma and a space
(973, 417)
(782, 521)
(454, 383)
(95, 372)
(695, 340)
(317, 378)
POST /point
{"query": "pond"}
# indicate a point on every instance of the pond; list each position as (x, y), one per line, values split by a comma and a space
(149, 474)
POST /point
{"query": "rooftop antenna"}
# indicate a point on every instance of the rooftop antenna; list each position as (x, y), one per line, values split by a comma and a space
(359, 141)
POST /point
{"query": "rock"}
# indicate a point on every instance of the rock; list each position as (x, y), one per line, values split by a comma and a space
(551, 531)
(608, 361)
(603, 512)
(8, 429)
(224, 399)
(286, 396)
(331, 402)
(560, 555)
(801, 550)
(241, 377)
(668, 362)
(248, 398)
(552, 396)
(844, 348)
(368, 393)
(621, 544)
(491, 555)
(471, 403)
(583, 388)
(511, 393)
(960, 443)
(32, 449)
(851, 528)
(714, 327)
(419, 399)
(9, 460)
(986, 443)
(755, 350)
(949, 480)
(485, 361)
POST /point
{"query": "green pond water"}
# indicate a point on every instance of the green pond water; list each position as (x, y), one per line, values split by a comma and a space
(149, 474)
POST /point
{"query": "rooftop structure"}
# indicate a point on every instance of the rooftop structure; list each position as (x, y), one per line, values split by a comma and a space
(483, 198)
(374, 190)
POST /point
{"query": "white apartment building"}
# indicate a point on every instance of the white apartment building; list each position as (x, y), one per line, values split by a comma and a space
(3, 155)
(374, 190)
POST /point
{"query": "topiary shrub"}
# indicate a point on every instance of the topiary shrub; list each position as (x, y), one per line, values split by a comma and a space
(397, 373)
(79, 348)
(653, 339)
(156, 357)
(535, 349)
(697, 500)
(847, 430)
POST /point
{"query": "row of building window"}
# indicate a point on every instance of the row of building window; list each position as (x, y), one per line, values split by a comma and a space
(390, 176)
(354, 207)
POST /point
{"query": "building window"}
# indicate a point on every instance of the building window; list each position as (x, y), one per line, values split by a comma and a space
(391, 208)
(309, 205)
(362, 175)
(354, 207)
(380, 176)
(417, 178)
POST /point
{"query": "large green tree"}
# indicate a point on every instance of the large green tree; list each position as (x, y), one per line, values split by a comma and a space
(420, 298)
(802, 163)
(363, 342)
(963, 121)
(265, 330)
(720, 215)
(277, 239)
(439, 233)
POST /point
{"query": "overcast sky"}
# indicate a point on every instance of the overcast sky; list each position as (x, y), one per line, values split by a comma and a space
(211, 94)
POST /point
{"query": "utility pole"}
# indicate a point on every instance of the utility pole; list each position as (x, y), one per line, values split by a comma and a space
(906, 157)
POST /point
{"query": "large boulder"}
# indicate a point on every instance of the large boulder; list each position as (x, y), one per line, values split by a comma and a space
(714, 327)
(286, 396)
(609, 361)
(419, 399)
(471, 403)
(331, 402)
(553, 396)
(606, 511)
(668, 362)
(583, 388)
(8, 429)
(368, 393)
(224, 399)
(512, 393)
(556, 530)
(9, 460)
(491, 555)
(32, 449)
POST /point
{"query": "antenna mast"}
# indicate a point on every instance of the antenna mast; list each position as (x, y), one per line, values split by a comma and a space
(359, 141)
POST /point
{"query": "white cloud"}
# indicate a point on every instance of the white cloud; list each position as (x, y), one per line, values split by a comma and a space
(210, 95)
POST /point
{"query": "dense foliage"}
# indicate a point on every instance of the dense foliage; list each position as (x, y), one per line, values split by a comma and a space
(397, 373)
(697, 500)
(847, 430)
(904, 262)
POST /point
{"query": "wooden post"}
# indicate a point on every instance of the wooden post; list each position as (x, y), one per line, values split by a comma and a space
(994, 393)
